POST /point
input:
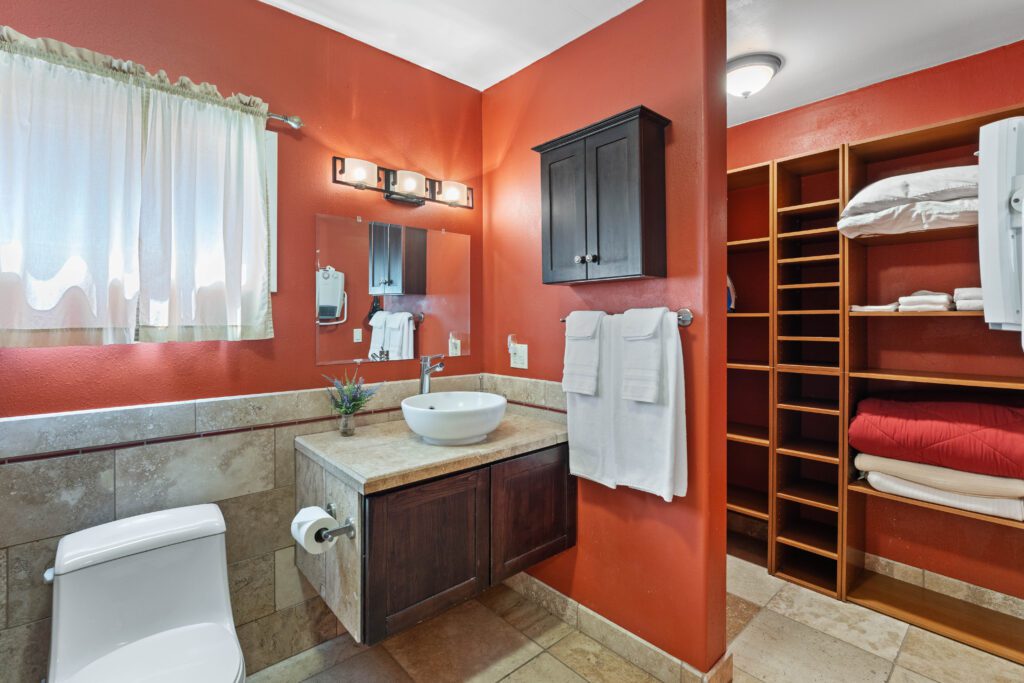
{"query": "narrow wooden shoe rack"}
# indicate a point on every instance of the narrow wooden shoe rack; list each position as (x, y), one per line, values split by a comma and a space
(799, 361)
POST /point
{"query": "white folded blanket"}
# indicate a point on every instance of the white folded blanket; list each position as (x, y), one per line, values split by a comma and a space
(877, 308)
(1009, 508)
(916, 217)
(925, 298)
(970, 305)
(642, 354)
(967, 294)
(944, 478)
(919, 308)
(582, 352)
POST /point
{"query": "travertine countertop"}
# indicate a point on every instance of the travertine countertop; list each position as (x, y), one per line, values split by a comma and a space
(388, 455)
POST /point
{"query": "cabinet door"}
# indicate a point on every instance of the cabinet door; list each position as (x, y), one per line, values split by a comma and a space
(533, 510)
(614, 240)
(414, 261)
(564, 207)
(378, 258)
(427, 549)
(395, 274)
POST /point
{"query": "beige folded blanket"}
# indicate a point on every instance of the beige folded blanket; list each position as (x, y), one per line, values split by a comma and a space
(954, 481)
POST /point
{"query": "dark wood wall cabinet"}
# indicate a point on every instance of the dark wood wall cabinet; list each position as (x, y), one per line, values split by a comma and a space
(435, 544)
(398, 259)
(603, 200)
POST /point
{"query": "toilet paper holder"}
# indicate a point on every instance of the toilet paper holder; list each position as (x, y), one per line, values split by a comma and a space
(347, 528)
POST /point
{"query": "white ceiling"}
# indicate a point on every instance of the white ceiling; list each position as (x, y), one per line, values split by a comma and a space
(834, 46)
(476, 42)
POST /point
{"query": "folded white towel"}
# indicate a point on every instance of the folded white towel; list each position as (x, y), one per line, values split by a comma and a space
(399, 336)
(582, 352)
(1010, 508)
(970, 305)
(378, 334)
(944, 478)
(921, 308)
(924, 298)
(642, 353)
(590, 416)
(967, 294)
(878, 308)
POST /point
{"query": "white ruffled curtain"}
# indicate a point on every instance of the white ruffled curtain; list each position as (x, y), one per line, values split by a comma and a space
(130, 207)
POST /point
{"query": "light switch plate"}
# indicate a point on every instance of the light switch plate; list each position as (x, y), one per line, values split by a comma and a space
(519, 356)
(357, 334)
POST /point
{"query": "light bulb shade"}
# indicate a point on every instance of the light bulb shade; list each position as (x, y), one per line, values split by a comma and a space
(410, 183)
(454, 193)
(749, 74)
(359, 172)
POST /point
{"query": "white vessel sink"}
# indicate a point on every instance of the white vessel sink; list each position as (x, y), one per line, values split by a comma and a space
(454, 418)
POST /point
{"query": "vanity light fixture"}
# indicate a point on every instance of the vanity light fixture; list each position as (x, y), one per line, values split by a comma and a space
(408, 187)
(749, 74)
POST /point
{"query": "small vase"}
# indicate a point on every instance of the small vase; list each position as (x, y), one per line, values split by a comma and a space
(347, 425)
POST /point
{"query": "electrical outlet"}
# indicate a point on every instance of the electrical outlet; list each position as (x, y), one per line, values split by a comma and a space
(357, 334)
(519, 356)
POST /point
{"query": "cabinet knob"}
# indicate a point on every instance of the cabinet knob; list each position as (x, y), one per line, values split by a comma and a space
(590, 258)
(578, 259)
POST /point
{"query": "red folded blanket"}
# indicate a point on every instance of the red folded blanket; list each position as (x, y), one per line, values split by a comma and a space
(971, 436)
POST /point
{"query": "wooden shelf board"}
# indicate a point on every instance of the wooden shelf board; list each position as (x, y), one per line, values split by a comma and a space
(918, 237)
(811, 233)
(809, 285)
(809, 339)
(745, 433)
(866, 489)
(980, 627)
(747, 548)
(747, 315)
(809, 207)
(946, 378)
(752, 244)
(808, 259)
(748, 502)
(814, 493)
(916, 314)
(810, 449)
(740, 365)
(807, 369)
(812, 311)
(813, 537)
(810, 405)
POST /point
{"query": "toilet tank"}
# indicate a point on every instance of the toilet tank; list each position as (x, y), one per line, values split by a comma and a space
(119, 582)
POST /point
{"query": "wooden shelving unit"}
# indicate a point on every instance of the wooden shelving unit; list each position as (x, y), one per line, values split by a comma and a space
(751, 359)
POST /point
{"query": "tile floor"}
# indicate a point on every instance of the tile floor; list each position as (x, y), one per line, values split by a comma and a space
(778, 632)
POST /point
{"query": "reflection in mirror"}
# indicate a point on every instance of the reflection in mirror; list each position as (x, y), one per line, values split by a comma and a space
(389, 292)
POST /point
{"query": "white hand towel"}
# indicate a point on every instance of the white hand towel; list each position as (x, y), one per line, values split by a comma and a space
(590, 417)
(395, 338)
(378, 333)
(879, 308)
(642, 354)
(967, 294)
(921, 308)
(650, 438)
(925, 298)
(582, 352)
(970, 305)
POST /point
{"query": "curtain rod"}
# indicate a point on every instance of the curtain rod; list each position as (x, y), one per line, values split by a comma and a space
(293, 121)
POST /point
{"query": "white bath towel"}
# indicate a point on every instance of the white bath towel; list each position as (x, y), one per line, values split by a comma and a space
(876, 308)
(970, 305)
(399, 336)
(582, 352)
(921, 308)
(926, 298)
(1010, 508)
(378, 334)
(590, 416)
(642, 354)
(967, 294)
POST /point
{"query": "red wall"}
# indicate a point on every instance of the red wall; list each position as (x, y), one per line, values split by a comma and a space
(972, 551)
(656, 568)
(355, 100)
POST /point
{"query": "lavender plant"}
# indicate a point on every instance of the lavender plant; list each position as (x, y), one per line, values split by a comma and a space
(350, 396)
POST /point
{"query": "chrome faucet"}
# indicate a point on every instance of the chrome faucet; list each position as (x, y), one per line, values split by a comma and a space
(426, 370)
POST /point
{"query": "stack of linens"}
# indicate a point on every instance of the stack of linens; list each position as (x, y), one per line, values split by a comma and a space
(963, 454)
(929, 200)
(968, 299)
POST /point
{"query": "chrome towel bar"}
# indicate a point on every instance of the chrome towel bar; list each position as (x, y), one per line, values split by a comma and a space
(685, 316)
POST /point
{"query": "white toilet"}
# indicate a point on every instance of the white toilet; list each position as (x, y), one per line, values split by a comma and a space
(145, 599)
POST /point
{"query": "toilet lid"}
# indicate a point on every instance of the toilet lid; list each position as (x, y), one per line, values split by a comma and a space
(199, 653)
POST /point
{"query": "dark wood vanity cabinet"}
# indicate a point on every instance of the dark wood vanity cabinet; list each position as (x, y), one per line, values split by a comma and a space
(603, 200)
(398, 259)
(433, 545)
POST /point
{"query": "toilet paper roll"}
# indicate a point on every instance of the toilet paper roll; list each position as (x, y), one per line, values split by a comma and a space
(306, 523)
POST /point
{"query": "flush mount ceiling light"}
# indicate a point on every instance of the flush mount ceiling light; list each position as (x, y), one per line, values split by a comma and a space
(748, 74)
(408, 187)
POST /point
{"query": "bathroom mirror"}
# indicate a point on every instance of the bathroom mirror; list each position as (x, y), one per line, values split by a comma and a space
(388, 292)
